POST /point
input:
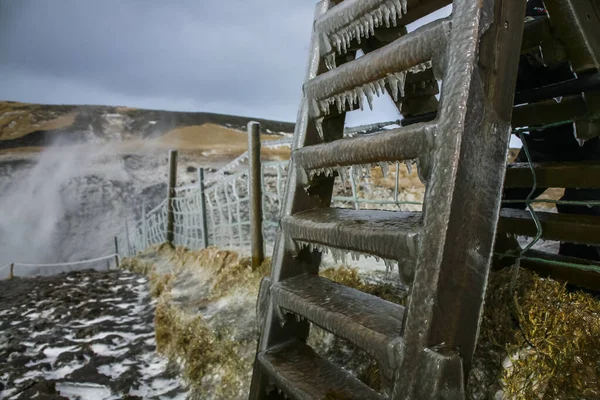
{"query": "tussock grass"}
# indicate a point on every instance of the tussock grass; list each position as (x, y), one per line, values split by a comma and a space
(543, 341)
(201, 350)
(215, 363)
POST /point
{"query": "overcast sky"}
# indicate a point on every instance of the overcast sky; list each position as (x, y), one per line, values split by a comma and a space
(235, 57)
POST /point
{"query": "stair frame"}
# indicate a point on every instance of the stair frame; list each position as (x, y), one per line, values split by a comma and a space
(464, 172)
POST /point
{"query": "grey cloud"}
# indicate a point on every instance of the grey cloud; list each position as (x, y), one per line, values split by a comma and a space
(225, 56)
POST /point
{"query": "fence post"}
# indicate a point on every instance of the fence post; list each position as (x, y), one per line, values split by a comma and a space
(203, 207)
(255, 191)
(116, 252)
(171, 195)
(144, 226)
(127, 241)
(12, 271)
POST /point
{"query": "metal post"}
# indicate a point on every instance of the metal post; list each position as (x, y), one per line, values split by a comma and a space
(144, 226)
(354, 189)
(116, 252)
(12, 271)
(203, 207)
(255, 191)
(171, 196)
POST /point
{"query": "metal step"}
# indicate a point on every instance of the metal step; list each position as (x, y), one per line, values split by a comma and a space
(573, 228)
(358, 20)
(405, 143)
(583, 175)
(371, 323)
(370, 73)
(391, 235)
(302, 374)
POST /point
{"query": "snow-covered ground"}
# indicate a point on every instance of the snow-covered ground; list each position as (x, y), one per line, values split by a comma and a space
(82, 335)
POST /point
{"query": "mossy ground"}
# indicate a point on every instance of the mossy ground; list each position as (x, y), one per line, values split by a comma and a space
(540, 341)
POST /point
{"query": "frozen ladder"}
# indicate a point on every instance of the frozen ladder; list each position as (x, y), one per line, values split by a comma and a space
(424, 351)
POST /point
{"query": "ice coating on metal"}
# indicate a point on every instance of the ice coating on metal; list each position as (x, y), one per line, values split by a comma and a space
(462, 201)
(392, 145)
(342, 255)
(355, 19)
(297, 371)
(368, 75)
(371, 323)
(388, 234)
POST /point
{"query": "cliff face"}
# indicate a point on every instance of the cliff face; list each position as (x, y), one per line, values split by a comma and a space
(70, 175)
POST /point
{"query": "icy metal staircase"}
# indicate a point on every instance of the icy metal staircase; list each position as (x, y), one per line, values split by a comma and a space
(424, 351)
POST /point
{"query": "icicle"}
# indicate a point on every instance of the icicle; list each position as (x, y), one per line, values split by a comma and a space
(337, 43)
(332, 62)
(369, 95)
(297, 317)
(371, 22)
(315, 107)
(357, 33)
(338, 103)
(388, 266)
(319, 125)
(324, 106)
(360, 97)
(404, 6)
(401, 76)
(379, 14)
(393, 82)
(408, 164)
(386, 15)
(398, 7)
(384, 168)
(394, 16)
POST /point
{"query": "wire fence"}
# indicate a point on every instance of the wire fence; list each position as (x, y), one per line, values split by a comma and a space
(19, 269)
(216, 211)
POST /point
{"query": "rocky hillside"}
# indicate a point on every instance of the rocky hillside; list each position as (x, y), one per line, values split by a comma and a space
(71, 175)
(33, 125)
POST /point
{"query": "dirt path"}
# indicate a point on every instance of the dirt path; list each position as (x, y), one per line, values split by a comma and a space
(82, 335)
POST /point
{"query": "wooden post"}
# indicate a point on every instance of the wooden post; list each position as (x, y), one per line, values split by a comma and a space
(203, 207)
(116, 252)
(12, 271)
(171, 196)
(255, 191)
(127, 238)
(144, 226)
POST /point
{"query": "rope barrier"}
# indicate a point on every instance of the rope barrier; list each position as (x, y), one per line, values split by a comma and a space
(112, 256)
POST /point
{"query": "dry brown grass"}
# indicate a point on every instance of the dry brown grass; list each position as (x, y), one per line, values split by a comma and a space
(216, 365)
(205, 141)
(19, 119)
